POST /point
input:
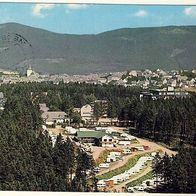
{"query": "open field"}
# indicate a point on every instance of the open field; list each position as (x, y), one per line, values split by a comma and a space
(56, 130)
(102, 154)
(97, 152)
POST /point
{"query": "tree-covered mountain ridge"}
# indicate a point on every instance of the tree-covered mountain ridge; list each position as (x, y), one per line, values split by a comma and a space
(170, 47)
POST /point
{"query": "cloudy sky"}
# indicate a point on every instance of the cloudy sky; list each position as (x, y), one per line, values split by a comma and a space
(87, 19)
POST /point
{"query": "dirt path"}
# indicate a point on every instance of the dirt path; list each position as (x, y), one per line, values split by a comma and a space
(145, 142)
(119, 129)
(120, 186)
(154, 146)
(123, 162)
(97, 151)
(56, 130)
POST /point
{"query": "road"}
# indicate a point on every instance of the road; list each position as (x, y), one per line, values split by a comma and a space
(153, 147)
(96, 151)
(120, 163)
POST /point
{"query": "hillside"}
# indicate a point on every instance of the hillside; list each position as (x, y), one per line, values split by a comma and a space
(118, 50)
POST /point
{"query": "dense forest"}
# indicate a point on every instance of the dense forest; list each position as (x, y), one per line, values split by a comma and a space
(65, 97)
(30, 162)
(171, 121)
(177, 172)
(169, 47)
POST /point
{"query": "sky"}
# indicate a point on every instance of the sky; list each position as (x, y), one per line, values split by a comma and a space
(93, 19)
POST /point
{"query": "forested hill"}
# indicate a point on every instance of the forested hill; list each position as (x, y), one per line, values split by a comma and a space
(29, 159)
(118, 50)
(30, 162)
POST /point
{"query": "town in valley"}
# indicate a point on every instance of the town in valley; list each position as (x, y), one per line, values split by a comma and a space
(97, 98)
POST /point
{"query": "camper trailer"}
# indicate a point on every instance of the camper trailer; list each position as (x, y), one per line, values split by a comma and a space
(104, 165)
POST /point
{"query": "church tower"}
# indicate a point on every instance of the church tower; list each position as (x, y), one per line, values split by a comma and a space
(29, 71)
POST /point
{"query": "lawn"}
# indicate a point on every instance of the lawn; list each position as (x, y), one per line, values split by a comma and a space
(139, 181)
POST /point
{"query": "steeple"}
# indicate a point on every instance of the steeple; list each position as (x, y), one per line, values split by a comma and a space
(29, 67)
(29, 71)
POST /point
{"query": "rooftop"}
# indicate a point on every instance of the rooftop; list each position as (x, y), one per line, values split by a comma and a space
(91, 134)
(53, 115)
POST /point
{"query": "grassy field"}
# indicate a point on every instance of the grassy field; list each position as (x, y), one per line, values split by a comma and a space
(130, 163)
(139, 181)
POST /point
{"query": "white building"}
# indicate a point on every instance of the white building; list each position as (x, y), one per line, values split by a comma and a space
(107, 141)
(51, 117)
(173, 83)
(71, 130)
(29, 71)
(86, 112)
(133, 73)
(165, 81)
(194, 71)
